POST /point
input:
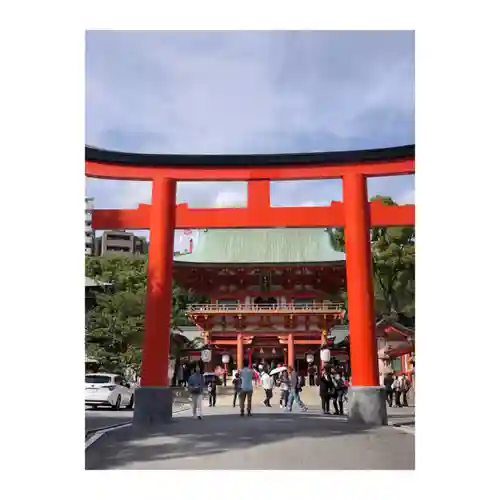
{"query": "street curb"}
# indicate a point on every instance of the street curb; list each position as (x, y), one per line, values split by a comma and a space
(95, 434)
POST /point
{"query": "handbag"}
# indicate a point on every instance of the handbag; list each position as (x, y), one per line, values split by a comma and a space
(196, 390)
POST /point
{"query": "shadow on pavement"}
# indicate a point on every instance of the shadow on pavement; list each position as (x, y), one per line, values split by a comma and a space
(185, 437)
(97, 419)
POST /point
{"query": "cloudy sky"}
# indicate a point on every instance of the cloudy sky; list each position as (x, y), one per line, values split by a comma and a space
(248, 92)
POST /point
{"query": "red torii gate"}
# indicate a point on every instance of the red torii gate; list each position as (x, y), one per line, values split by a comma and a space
(355, 213)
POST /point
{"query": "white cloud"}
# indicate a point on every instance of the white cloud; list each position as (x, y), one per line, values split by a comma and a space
(407, 198)
(227, 199)
(245, 92)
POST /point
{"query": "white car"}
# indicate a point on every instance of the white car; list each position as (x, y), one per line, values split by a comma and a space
(108, 389)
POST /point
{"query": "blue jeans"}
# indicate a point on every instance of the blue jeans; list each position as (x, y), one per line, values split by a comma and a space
(294, 396)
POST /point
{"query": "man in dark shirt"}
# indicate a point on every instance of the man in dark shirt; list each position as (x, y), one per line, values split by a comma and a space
(388, 380)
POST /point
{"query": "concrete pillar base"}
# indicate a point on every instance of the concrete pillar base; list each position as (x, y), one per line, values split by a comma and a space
(153, 406)
(367, 405)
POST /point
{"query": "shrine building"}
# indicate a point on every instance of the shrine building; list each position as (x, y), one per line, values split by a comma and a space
(274, 294)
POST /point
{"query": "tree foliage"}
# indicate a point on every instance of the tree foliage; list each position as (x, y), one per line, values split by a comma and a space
(393, 258)
(115, 325)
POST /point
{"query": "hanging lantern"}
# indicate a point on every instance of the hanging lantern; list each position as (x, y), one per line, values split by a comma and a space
(261, 350)
(325, 355)
(225, 358)
(309, 358)
(206, 355)
(274, 350)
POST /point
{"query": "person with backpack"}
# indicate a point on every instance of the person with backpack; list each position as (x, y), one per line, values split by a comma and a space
(195, 386)
(247, 376)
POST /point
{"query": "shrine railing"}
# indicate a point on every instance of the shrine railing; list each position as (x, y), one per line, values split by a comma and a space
(266, 308)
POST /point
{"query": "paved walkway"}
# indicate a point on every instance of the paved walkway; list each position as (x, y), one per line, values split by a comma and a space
(270, 439)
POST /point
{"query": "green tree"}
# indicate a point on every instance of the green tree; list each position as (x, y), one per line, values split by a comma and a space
(115, 326)
(393, 259)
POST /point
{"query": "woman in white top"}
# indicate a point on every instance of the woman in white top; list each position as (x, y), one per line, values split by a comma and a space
(267, 385)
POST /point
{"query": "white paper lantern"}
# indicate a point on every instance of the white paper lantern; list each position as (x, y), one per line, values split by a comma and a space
(325, 355)
(274, 350)
(206, 355)
(309, 358)
(225, 358)
(261, 350)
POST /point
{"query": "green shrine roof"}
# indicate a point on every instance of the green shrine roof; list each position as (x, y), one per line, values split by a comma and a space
(262, 246)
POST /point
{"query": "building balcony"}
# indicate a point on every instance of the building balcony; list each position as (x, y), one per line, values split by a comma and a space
(274, 309)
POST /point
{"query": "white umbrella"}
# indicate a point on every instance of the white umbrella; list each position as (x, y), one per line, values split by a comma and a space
(278, 370)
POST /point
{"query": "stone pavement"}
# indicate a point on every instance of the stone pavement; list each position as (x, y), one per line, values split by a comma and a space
(270, 439)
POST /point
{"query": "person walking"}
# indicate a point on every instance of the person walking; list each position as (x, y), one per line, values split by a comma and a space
(246, 391)
(405, 386)
(236, 387)
(347, 384)
(267, 385)
(185, 374)
(396, 387)
(294, 391)
(312, 374)
(284, 385)
(326, 389)
(195, 387)
(388, 380)
(212, 391)
(338, 394)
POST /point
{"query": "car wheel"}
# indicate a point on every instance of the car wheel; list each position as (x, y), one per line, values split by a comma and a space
(118, 403)
(130, 405)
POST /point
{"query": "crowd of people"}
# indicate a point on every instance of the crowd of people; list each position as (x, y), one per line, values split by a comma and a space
(332, 388)
(396, 389)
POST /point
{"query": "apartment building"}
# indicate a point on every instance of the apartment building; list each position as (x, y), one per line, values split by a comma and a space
(89, 232)
(120, 242)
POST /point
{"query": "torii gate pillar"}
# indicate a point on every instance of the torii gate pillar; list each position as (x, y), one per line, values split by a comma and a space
(367, 403)
(153, 400)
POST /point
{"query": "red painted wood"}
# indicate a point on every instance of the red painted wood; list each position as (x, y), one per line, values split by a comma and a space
(364, 363)
(193, 218)
(156, 347)
(278, 173)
